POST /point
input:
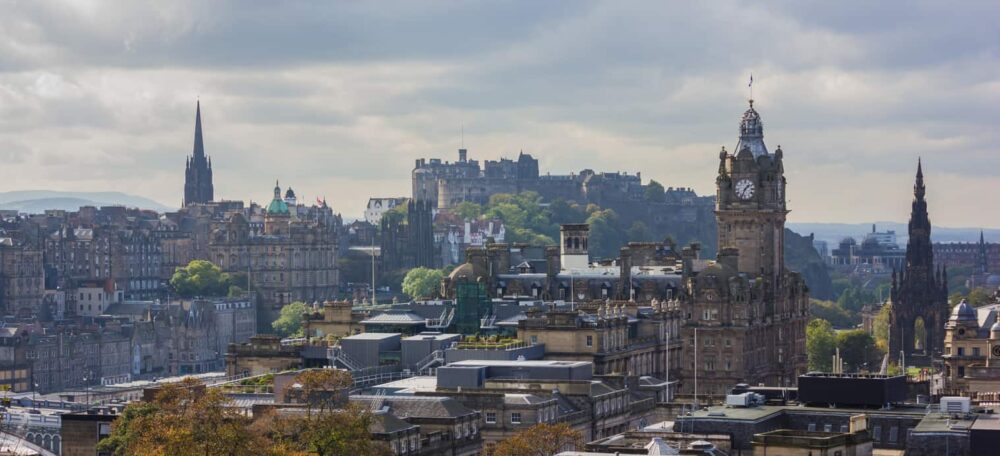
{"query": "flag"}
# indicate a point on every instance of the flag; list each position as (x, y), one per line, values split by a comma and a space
(751, 81)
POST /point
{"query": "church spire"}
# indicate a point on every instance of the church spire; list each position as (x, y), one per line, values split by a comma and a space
(918, 185)
(199, 145)
(198, 186)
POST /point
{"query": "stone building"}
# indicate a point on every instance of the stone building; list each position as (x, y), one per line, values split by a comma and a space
(644, 271)
(618, 338)
(972, 350)
(22, 277)
(289, 259)
(920, 293)
(409, 242)
(335, 318)
(745, 314)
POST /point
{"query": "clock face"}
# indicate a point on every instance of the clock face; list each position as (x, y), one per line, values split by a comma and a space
(996, 350)
(744, 189)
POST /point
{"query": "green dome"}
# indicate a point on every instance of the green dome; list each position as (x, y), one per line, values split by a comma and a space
(277, 206)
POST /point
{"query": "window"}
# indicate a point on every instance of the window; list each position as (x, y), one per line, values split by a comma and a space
(491, 417)
(534, 339)
(893, 434)
(812, 427)
(827, 428)
(961, 351)
(590, 341)
(843, 428)
(515, 418)
(877, 433)
(961, 371)
(975, 351)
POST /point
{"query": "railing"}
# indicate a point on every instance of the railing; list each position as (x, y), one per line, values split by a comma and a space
(29, 420)
(338, 354)
(423, 366)
(508, 345)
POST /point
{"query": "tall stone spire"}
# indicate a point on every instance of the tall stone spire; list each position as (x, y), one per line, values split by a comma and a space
(922, 291)
(198, 186)
(199, 144)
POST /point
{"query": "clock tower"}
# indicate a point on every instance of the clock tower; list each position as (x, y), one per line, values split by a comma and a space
(750, 202)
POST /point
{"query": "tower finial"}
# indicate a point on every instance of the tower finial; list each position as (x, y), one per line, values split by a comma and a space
(750, 85)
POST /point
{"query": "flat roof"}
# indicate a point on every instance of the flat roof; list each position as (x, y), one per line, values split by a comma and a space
(987, 422)
(765, 411)
(524, 363)
(433, 336)
(372, 336)
(410, 385)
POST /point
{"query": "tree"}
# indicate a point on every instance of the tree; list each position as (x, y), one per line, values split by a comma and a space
(831, 312)
(880, 327)
(654, 192)
(289, 322)
(200, 278)
(184, 418)
(540, 440)
(605, 233)
(422, 282)
(468, 210)
(330, 426)
(857, 348)
(639, 232)
(821, 343)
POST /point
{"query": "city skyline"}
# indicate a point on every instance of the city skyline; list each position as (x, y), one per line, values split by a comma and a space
(340, 102)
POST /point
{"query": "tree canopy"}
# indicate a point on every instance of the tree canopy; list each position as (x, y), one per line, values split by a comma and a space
(654, 192)
(289, 322)
(186, 418)
(821, 343)
(422, 282)
(857, 349)
(542, 439)
(200, 278)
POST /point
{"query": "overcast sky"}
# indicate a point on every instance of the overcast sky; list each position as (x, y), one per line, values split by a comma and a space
(338, 100)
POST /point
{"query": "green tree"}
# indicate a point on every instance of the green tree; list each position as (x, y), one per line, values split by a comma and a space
(831, 312)
(422, 282)
(979, 297)
(880, 327)
(184, 418)
(605, 233)
(655, 192)
(468, 210)
(821, 341)
(200, 278)
(639, 232)
(857, 348)
(289, 322)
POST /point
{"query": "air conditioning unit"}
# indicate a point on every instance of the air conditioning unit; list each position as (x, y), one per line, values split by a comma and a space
(955, 404)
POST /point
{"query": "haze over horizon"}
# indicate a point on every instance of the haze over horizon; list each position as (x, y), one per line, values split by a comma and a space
(338, 100)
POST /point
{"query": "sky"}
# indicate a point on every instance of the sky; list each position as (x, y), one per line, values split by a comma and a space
(338, 99)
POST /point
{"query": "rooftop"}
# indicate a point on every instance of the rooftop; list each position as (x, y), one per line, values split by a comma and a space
(372, 336)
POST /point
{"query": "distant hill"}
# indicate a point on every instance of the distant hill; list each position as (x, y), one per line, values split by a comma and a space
(37, 201)
(832, 233)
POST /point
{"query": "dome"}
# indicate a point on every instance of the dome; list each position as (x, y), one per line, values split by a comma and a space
(963, 312)
(277, 206)
(751, 133)
(995, 328)
(289, 193)
(464, 271)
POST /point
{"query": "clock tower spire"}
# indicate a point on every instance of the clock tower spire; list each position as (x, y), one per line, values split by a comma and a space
(750, 202)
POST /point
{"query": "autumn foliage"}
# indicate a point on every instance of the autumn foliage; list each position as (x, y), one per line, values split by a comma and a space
(540, 440)
(186, 418)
